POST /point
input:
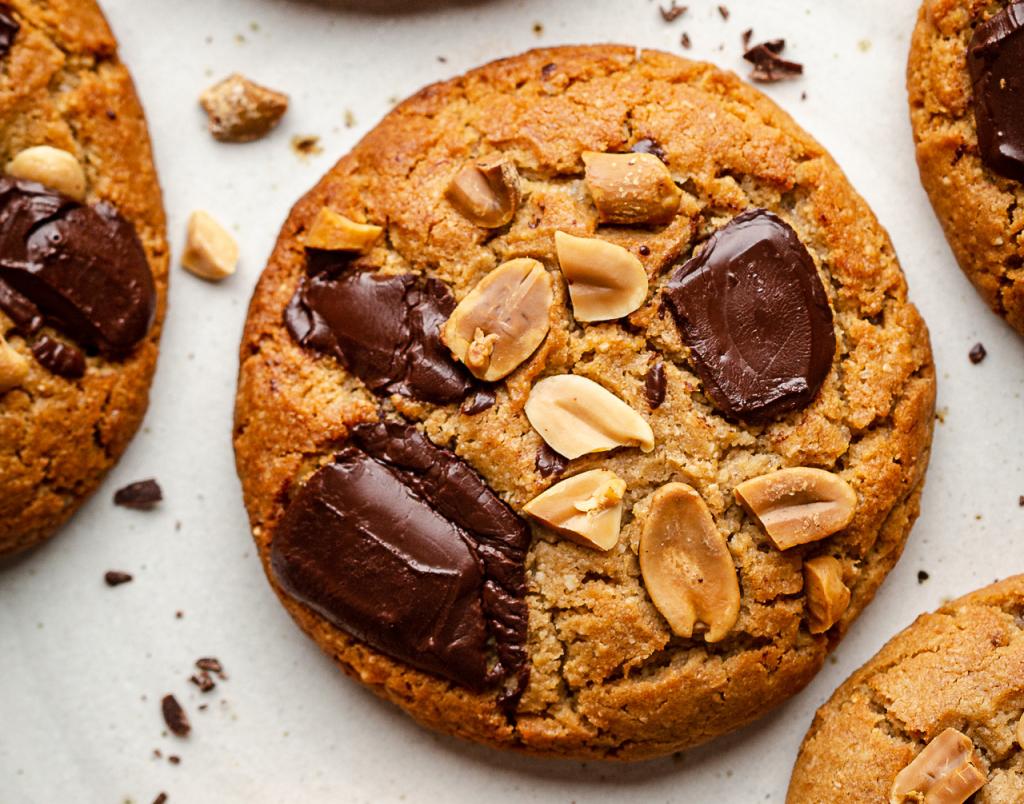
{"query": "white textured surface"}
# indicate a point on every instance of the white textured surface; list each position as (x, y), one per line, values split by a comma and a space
(83, 667)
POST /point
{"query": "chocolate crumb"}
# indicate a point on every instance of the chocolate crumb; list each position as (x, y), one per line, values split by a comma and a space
(174, 759)
(724, 12)
(548, 70)
(651, 146)
(160, 799)
(803, 96)
(442, 59)
(141, 496)
(644, 251)
(961, 150)
(116, 577)
(977, 353)
(673, 12)
(111, 114)
(174, 716)
(157, 753)
(178, 615)
(479, 402)
(769, 66)
(538, 29)
(684, 40)
(210, 665)
(746, 36)
(654, 384)
(203, 707)
(922, 576)
(1020, 501)
(203, 681)
(549, 462)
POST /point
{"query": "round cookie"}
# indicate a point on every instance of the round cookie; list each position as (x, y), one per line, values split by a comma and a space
(966, 86)
(733, 308)
(83, 263)
(958, 668)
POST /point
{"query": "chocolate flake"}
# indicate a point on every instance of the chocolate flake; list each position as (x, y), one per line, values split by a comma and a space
(174, 759)
(211, 665)
(977, 353)
(654, 384)
(141, 495)
(116, 577)
(746, 36)
(724, 12)
(174, 716)
(160, 799)
(203, 681)
(9, 28)
(479, 402)
(769, 66)
(548, 462)
(649, 146)
(548, 70)
(685, 41)
(58, 357)
(673, 12)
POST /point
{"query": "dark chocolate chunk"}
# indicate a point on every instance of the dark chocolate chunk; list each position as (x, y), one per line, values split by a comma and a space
(654, 384)
(83, 268)
(174, 716)
(58, 357)
(995, 59)
(385, 329)
(922, 576)
(9, 28)
(769, 66)
(401, 544)
(116, 577)
(142, 495)
(977, 353)
(548, 462)
(673, 12)
(479, 402)
(203, 681)
(649, 146)
(754, 313)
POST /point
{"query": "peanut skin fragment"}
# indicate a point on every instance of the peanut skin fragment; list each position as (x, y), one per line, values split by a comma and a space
(947, 771)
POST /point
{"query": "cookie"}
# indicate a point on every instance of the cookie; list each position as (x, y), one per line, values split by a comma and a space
(934, 716)
(83, 263)
(558, 385)
(966, 90)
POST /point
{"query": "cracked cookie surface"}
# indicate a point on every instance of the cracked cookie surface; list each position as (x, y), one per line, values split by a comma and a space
(608, 678)
(980, 210)
(62, 85)
(959, 667)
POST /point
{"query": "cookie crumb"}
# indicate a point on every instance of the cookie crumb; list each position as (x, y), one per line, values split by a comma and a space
(673, 12)
(977, 353)
(141, 495)
(684, 40)
(864, 45)
(306, 145)
(240, 110)
(769, 66)
(745, 37)
(538, 29)
(350, 118)
(174, 716)
(442, 59)
(922, 576)
(116, 577)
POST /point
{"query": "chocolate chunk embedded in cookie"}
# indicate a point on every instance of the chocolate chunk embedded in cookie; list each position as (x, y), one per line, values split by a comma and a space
(493, 452)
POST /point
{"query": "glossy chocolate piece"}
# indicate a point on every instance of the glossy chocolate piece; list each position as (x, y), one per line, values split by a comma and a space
(9, 28)
(81, 269)
(995, 59)
(59, 358)
(384, 328)
(482, 400)
(754, 313)
(402, 545)
(548, 462)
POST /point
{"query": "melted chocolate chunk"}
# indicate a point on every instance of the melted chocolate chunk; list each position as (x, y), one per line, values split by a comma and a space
(548, 462)
(9, 28)
(59, 358)
(401, 544)
(479, 402)
(649, 146)
(81, 269)
(996, 62)
(754, 313)
(769, 66)
(385, 329)
(654, 384)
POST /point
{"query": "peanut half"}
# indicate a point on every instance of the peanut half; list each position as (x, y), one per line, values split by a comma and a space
(13, 367)
(947, 771)
(605, 280)
(686, 564)
(633, 188)
(210, 251)
(576, 416)
(586, 508)
(487, 192)
(332, 231)
(51, 167)
(502, 320)
(827, 595)
(799, 505)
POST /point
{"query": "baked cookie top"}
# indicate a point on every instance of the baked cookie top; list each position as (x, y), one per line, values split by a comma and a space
(934, 714)
(505, 373)
(83, 262)
(965, 77)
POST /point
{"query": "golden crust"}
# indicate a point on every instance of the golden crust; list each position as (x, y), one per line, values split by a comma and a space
(63, 85)
(609, 680)
(959, 667)
(980, 212)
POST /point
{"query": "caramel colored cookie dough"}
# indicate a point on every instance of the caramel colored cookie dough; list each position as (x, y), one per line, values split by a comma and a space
(965, 77)
(520, 524)
(83, 262)
(934, 716)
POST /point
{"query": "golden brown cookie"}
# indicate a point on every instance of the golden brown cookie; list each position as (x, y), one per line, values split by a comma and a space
(506, 368)
(83, 263)
(884, 731)
(968, 122)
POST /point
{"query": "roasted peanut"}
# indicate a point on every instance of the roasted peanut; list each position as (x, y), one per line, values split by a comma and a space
(332, 231)
(633, 188)
(487, 193)
(13, 367)
(210, 251)
(605, 280)
(947, 771)
(586, 508)
(827, 595)
(52, 167)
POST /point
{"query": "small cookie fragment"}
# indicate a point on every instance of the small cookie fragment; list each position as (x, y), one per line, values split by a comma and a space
(686, 564)
(174, 716)
(633, 188)
(142, 495)
(502, 320)
(210, 250)
(798, 505)
(576, 416)
(586, 508)
(605, 280)
(947, 771)
(13, 366)
(487, 192)
(332, 231)
(52, 167)
(827, 595)
(241, 110)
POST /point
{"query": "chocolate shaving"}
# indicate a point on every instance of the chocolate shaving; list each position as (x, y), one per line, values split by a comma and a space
(203, 681)
(769, 66)
(724, 12)
(684, 40)
(210, 665)
(160, 799)
(174, 716)
(654, 384)
(142, 495)
(746, 36)
(977, 353)
(673, 12)
(116, 577)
